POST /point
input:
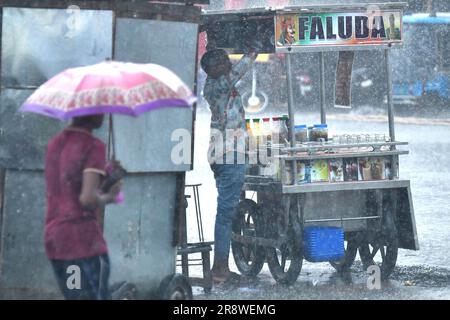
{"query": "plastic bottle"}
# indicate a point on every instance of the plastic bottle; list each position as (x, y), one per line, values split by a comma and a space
(249, 134)
(267, 133)
(319, 133)
(257, 134)
(251, 142)
(256, 128)
(301, 133)
(276, 130)
(266, 130)
(248, 126)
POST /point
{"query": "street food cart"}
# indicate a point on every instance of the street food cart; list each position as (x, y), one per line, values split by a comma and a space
(319, 185)
(42, 38)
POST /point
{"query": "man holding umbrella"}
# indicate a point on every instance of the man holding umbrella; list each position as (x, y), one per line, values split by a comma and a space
(75, 160)
(74, 243)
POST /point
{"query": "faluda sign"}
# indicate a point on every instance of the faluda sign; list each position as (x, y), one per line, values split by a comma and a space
(315, 29)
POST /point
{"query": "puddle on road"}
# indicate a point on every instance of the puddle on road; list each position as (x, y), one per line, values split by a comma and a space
(411, 282)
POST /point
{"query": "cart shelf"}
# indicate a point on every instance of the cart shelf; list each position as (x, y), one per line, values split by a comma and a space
(343, 186)
(376, 216)
(312, 147)
(334, 155)
(318, 146)
(253, 185)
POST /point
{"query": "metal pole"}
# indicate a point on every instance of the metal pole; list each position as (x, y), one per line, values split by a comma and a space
(291, 111)
(290, 100)
(323, 117)
(390, 101)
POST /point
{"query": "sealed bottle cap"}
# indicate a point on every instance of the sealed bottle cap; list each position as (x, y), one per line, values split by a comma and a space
(266, 119)
(300, 126)
(320, 126)
(256, 120)
(276, 118)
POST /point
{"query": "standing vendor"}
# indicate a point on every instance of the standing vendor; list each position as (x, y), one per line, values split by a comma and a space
(226, 148)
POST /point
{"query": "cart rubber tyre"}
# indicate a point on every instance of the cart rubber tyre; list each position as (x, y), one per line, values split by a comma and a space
(346, 263)
(124, 291)
(387, 250)
(381, 248)
(175, 287)
(291, 250)
(248, 221)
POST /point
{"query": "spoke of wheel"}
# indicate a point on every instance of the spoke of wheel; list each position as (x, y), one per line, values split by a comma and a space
(374, 252)
(283, 260)
(246, 254)
(249, 232)
(284, 254)
(383, 253)
(177, 295)
(242, 228)
(250, 226)
(252, 255)
(345, 254)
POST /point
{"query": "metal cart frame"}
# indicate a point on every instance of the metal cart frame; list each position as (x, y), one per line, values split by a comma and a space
(376, 213)
(21, 243)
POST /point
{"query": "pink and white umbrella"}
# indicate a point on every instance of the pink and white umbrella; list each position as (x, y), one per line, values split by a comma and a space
(109, 87)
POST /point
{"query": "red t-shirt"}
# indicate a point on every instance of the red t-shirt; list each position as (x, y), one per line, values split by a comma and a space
(70, 231)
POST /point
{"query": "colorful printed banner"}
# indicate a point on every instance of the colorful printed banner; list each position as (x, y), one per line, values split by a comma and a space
(338, 29)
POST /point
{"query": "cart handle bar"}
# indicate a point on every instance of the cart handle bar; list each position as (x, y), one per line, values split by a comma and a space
(327, 146)
(342, 219)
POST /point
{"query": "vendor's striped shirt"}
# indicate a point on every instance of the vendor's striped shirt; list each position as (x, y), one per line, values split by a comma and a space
(228, 130)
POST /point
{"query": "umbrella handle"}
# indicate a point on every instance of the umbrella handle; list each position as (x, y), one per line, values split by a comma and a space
(111, 141)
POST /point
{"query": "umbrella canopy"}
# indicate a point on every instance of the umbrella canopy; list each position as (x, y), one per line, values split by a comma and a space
(109, 87)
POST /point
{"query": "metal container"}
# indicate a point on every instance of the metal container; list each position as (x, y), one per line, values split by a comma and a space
(139, 232)
(319, 132)
(301, 133)
(323, 243)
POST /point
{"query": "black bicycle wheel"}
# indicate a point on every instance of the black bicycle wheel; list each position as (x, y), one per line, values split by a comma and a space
(382, 252)
(249, 258)
(175, 287)
(123, 291)
(285, 262)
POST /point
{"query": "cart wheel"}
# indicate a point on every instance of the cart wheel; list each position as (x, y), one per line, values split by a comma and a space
(123, 291)
(175, 287)
(285, 262)
(382, 252)
(351, 248)
(249, 258)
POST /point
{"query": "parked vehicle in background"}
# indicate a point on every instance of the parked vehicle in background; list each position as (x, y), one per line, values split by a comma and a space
(422, 68)
(366, 87)
(304, 84)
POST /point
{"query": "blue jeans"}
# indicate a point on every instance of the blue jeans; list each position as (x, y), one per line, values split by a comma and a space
(93, 282)
(229, 182)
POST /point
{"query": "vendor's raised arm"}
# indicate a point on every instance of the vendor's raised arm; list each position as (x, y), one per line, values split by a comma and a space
(240, 68)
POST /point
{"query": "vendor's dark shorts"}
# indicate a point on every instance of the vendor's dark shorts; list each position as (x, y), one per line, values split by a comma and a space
(83, 279)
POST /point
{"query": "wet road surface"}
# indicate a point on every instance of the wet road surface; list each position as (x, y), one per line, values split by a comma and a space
(422, 274)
